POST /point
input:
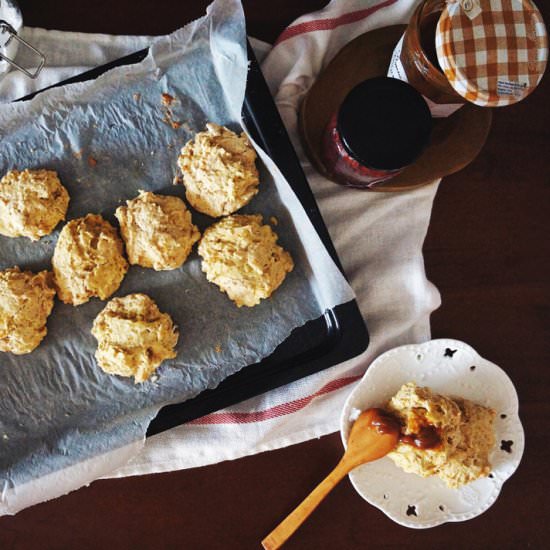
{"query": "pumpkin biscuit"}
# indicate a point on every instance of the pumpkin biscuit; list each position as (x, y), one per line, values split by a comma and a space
(32, 203)
(157, 231)
(242, 257)
(219, 171)
(133, 337)
(88, 260)
(26, 301)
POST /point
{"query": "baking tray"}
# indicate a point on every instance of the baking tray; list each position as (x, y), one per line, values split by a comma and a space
(338, 335)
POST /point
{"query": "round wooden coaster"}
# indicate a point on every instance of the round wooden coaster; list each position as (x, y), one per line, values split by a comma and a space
(455, 140)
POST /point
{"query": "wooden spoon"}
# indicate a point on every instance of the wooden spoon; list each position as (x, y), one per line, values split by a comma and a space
(373, 435)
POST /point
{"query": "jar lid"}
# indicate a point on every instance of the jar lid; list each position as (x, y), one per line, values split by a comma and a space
(493, 52)
(384, 123)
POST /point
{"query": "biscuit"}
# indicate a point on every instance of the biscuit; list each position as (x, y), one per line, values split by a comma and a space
(133, 337)
(157, 231)
(471, 457)
(219, 171)
(242, 257)
(88, 260)
(465, 430)
(26, 301)
(32, 203)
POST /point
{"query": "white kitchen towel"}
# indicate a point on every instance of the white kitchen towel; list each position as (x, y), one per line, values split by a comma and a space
(378, 238)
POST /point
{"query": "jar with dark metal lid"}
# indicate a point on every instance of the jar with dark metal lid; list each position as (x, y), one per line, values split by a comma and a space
(381, 127)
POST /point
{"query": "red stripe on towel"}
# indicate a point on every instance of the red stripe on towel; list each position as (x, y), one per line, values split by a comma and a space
(273, 412)
(329, 24)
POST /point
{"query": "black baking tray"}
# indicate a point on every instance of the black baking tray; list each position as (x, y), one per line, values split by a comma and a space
(338, 335)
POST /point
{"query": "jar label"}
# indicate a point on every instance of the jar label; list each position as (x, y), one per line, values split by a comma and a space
(343, 168)
(396, 70)
(508, 87)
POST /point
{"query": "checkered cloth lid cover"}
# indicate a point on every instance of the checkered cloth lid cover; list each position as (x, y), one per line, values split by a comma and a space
(497, 57)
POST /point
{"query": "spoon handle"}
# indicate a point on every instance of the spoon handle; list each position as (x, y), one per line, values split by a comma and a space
(286, 528)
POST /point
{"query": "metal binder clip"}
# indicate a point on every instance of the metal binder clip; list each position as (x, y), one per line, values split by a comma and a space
(5, 27)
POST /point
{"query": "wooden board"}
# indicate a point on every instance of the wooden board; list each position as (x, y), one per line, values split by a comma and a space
(455, 140)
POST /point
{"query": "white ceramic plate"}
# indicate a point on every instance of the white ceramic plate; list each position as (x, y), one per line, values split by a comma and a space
(452, 368)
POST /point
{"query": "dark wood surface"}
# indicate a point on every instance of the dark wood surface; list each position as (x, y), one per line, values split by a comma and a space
(487, 251)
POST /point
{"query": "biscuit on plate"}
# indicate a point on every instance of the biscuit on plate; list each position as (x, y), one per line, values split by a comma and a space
(157, 231)
(242, 257)
(465, 430)
(26, 301)
(219, 171)
(133, 337)
(32, 203)
(88, 260)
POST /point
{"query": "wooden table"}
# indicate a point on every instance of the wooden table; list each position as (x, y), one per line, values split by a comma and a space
(487, 252)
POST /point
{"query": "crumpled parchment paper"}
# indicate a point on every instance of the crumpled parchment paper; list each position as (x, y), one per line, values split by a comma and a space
(107, 139)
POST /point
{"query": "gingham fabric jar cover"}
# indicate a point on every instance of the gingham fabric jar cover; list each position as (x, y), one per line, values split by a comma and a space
(493, 52)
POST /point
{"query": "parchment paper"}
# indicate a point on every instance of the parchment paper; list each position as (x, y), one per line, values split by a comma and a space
(108, 139)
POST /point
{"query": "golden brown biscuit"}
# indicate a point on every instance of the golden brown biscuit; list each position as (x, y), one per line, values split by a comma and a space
(471, 457)
(26, 301)
(219, 171)
(242, 257)
(88, 260)
(157, 231)
(465, 430)
(133, 337)
(32, 203)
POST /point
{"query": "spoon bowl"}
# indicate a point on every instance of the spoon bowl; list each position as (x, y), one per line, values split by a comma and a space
(373, 435)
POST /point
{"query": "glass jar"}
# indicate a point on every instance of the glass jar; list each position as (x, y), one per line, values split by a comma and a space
(491, 54)
(414, 60)
(419, 56)
(380, 128)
